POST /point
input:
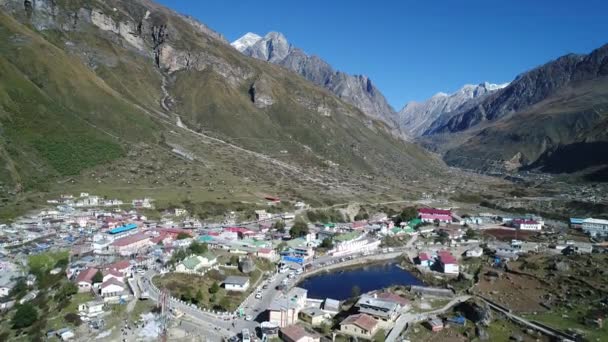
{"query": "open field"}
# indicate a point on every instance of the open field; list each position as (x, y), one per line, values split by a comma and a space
(508, 234)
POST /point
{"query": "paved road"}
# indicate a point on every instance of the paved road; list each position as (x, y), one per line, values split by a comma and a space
(407, 318)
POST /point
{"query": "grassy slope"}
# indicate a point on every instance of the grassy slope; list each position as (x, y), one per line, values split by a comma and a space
(62, 116)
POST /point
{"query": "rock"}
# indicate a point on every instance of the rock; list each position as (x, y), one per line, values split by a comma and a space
(261, 93)
(482, 334)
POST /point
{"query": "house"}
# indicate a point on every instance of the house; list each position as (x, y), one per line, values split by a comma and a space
(447, 262)
(285, 308)
(84, 279)
(359, 325)
(474, 252)
(424, 260)
(381, 309)
(112, 288)
(109, 274)
(65, 334)
(122, 266)
(595, 227)
(131, 244)
(194, 263)
(296, 333)
(435, 324)
(91, 309)
(267, 253)
(431, 215)
(236, 283)
(526, 224)
(331, 305)
(314, 316)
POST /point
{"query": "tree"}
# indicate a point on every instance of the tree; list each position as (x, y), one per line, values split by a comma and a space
(200, 296)
(281, 246)
(234, 260)
(471, 234)
(25, 316)
(198, 248)
(279, 226)
(325, 328)
(66, 291)
(355, 291)
(98, 277)
(299, 229)
(183, 236)
(214, 288)
(327, 243)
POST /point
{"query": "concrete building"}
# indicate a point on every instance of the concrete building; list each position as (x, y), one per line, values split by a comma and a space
(314, 316)
(296, 333)
(285, 308)
(525, 224)
(383, 310)
(360, 325)
(131, 244)
(431, 215)
(448, 262)
(595, 227)
(235, 283)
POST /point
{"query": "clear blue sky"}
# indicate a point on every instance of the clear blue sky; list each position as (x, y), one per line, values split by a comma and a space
(414, 49)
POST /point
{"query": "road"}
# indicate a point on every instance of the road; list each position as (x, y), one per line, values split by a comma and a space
(408, 318)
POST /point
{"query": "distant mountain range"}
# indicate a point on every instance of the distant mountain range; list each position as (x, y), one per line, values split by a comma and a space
(416, 118)
(357, 90)
(553, 118)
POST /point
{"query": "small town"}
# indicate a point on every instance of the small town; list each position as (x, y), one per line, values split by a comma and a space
(103, 269)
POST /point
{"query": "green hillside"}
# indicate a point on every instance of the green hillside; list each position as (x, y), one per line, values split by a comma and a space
(82, 103)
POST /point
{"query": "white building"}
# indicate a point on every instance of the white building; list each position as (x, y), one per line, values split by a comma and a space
(91, 309)
(351, 243)
(285, 308)
(524, 224)
(235, 283)
(595, 227)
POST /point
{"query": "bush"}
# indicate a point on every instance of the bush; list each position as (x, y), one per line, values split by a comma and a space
(214, 288)
(25, 316)
(299, 229)
(73, 318)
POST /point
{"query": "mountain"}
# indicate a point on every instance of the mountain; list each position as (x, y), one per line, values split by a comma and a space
(357, 90)
(417, 117)
(531, 88)
(128, 98)
(552, 119)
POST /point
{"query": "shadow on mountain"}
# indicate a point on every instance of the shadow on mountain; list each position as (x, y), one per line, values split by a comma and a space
(575, 157)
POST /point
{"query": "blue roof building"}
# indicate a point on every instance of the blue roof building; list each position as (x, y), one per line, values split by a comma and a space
(122, 229)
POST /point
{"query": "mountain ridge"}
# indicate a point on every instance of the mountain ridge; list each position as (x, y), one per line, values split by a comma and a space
(358, 90)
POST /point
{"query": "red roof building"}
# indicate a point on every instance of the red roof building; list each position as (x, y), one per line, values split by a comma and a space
(86, 276)
(432, 214)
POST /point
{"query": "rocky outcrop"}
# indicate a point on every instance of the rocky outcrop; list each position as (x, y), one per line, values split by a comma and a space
(261, 93)
(357, 90)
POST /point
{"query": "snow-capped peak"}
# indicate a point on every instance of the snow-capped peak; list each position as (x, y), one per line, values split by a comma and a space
(492, 86)
(249, 39)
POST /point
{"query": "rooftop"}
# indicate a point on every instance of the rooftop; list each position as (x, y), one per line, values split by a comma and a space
(236, 280)
(364, 321)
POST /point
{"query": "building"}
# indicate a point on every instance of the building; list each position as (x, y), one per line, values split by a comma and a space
(84, 279)
(447, 262)
(131, 244)
(431, 215)
(576, 223)
(525, 224)
(112, 288)
(314, 316)
(351, 243)
(435, 324)
(236, 283)
(91, 309)
(194, 263)
(474, 252)
(122, 266)
(360, 325)
(285, 308)
(109, 274)
(296, 333)
(267, 253)
(595, 227)
(384, 309)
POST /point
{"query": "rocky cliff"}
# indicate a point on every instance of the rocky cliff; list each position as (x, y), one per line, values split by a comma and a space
(357, 90)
